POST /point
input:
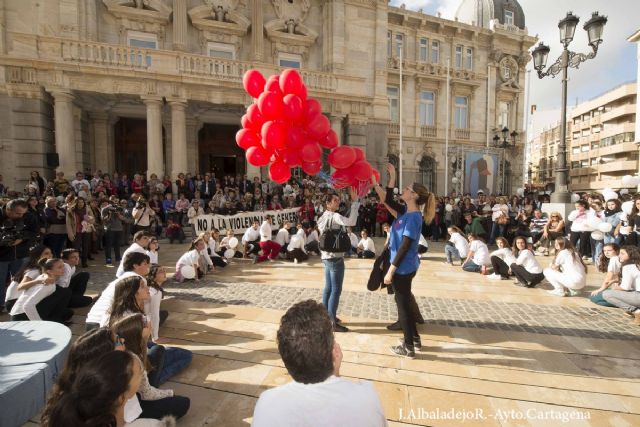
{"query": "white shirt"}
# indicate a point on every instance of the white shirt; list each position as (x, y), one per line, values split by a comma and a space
(354, 239)
(296, 242)
(480, 253)
(422, 241)
(189, 258)
(64, 280)
(461, 244)
(573, 269)
(153, 257)
(614, 265)
(145, 216)
(498, 211)
(214, 246)
(367, 245)
(265, 232)
(333, 402)
(251, 235)
(337, 221)
(133, 248)
(630, 278)
(78, 184)
(527, 259)
(152, 308)
(312, 237)
(12, 290)
(283, 237)
(505, 254)
(103, 305)
(29, 299)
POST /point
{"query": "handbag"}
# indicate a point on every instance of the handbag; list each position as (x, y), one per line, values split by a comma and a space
(334, 240)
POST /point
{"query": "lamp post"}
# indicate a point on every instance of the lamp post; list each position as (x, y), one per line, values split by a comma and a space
(567, 59)
(505, 143)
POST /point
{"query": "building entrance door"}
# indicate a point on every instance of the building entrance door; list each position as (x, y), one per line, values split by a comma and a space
(218, 151)
(131, 145)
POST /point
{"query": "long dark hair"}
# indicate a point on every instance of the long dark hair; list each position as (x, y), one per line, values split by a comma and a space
(565, 243)
(86, 348)
(129, 328)
(514, 249)
(633, 253)
(151, 277)
(35, 253)
(124, 298)
(603, 264)
(95, 394)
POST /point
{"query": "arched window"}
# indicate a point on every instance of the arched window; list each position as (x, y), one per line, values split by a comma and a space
(427, 173)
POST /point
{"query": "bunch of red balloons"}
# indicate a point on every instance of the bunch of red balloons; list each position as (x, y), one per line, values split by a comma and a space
(287, 129)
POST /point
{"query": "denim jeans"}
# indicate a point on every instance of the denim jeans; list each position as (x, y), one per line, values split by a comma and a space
(167, 361)
(8, 268)
(333, 277)
(451, 251)
(496, 230)
(596, 249)
(471, 267)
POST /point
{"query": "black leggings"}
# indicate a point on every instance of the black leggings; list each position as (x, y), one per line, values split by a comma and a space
(499, 266)
(53, 308)
(530, 280)
(78, 286)
(585, 242)
(218, 262)
(176, 406)
(402, 291)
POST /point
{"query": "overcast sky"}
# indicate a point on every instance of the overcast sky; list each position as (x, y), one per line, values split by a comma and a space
(616, 61)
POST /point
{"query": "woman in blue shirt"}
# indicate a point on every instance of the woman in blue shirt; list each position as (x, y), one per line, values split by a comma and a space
(403, 246)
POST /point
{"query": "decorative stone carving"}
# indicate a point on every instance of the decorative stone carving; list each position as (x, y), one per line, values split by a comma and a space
(508, 71)
(219, 21)
(149, 16)
(288, 32)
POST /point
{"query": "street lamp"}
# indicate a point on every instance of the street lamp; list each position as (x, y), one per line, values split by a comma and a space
(504, 142)
(567, 59)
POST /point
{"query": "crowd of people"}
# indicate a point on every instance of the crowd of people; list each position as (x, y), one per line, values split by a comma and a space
(51, 231)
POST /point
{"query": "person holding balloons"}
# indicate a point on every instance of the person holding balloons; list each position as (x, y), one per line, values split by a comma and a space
(334, 261)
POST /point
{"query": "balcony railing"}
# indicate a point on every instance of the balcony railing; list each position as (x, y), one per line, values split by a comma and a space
(428, 131)
(394, 129)
(462, 134)
(105, 55)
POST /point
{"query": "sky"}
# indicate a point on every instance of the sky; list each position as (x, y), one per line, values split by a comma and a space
(616, 60)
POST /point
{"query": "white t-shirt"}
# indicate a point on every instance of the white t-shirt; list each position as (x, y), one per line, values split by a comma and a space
(504, 254)
(333, 402)
(460, 243)
(251, 235)
(64, 280)
(367, 245)
(133, 248)
(103, 305)
(189, 258)
(423, 241)
(29, 299)
(12, 290)
(296, 242)
(527, 259)
(480, 253)
(354, 239)
(283, 236)
(630, 278)
(573, 270)
(614, 265)
(312, 237)
(265, 232)
(153, 257)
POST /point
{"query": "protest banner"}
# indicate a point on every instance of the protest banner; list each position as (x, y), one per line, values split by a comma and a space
(243, 220)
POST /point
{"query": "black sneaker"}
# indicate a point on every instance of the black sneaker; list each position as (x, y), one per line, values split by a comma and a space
(394, 326)
(339, 328)
(402, 350)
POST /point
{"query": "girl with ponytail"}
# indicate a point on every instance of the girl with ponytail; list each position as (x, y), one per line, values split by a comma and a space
(419, 205)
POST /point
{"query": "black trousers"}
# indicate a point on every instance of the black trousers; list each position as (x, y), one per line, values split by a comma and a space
(585, 242)
(366, 254)
(82, 243)
(112, 240)
(53, 308)
(176, 406)
(312, 247)
(252, 247)
(530, 280)
(77, 288)
(298, 254)
(402, 292)
(218, 261)
(499, 266)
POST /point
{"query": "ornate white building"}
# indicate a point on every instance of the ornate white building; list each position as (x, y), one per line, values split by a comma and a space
(155, 85)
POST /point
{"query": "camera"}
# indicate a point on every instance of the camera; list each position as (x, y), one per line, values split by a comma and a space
(141, 203)
(10, 234)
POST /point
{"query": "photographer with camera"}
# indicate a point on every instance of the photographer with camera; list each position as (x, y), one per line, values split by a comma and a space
(18, 232)
(112, 217)
(142, 215)
(56, 236)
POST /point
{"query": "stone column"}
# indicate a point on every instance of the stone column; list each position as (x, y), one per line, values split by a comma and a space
(155, 158)
(64, 131)
(178, 138)
(180, 24)
(257, 24)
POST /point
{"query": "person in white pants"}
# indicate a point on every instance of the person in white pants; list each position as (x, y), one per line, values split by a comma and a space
(567, 273)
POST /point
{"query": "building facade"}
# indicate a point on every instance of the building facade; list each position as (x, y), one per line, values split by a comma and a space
(155, 86)
(601, 135)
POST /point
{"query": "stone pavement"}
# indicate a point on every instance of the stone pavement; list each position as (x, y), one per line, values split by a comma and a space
(493, 353)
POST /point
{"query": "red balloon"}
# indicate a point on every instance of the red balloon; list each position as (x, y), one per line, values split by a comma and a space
(341, 179)
(253, 82)
(311, 168)
(257, 156)
(256, 119)
(318, 127)
(244, 122)
(293, 108)
(292, 158)
(330, 141)
(291, 82)
(246, 138)
(311, 151)
(296, 138)
(362, 170)
(342, 157)
(311, 109)
(359, 154)
(279, 172)
(271, 105)
(377, 175)
(303, 93)
(274, 135)
(273, 84)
